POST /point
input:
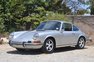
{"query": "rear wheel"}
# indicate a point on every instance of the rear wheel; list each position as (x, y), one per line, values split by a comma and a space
(48, 46)
(81, 43)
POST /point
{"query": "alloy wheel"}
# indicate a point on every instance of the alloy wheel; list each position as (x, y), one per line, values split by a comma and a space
(81, 42)
(49, 45)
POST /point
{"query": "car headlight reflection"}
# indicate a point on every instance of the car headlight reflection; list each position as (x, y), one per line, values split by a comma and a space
(11, 36)
(36, 40)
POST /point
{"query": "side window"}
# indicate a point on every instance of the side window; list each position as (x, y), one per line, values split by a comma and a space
(67, 27)
(58, 24)
(75, 28)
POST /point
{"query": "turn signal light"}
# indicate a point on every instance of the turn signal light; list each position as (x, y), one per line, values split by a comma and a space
(37, 42)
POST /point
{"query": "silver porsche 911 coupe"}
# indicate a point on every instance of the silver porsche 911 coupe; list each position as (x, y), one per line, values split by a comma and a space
(48, 36)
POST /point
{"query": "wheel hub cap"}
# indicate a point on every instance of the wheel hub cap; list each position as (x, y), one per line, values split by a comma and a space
(81, 43)
(49, 45)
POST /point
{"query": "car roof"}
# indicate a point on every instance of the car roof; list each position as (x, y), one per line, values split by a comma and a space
(64, 22)
(60, 21)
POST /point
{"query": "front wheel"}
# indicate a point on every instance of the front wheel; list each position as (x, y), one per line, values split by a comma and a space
(81, 43)
(48, 46)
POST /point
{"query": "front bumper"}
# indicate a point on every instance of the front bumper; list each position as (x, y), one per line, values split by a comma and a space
(25, 45)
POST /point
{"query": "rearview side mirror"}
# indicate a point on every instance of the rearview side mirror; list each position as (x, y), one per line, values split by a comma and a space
(57, 29)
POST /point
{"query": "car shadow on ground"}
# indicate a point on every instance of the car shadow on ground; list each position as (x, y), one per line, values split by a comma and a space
(38, 51)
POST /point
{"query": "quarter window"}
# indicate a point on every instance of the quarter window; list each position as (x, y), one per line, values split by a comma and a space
(67, 27)
(75, 28)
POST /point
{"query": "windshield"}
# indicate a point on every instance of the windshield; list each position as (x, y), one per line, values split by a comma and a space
(49, 25)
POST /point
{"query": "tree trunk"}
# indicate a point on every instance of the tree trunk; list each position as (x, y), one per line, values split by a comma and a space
(28, 25)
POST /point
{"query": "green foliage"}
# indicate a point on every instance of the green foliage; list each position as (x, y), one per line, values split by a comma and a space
(92, 10)
(55, 16)
(92, 7)
(81, 12)
(27, 14)
(1, 25)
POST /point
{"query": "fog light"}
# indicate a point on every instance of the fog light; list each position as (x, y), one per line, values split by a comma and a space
(36, 42)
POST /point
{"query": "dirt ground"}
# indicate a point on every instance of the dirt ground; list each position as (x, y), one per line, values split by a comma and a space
(64, 54)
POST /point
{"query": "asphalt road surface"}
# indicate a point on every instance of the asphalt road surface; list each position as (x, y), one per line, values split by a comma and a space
(65, 54)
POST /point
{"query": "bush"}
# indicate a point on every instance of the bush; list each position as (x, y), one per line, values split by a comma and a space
(56, 16)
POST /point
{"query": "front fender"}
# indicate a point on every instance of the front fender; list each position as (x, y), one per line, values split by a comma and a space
(43, 38)
(83, 35)
(48, 36)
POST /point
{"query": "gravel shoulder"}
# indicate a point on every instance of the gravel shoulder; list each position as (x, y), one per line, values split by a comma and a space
(65, 54)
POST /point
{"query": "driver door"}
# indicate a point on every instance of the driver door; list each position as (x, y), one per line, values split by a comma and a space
(67, 36)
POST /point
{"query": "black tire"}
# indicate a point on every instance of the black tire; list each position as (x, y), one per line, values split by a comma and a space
(48, 46)
(20, 50)
(81, 43)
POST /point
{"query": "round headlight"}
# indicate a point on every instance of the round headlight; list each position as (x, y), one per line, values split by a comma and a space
(11, 36)
(36, 35)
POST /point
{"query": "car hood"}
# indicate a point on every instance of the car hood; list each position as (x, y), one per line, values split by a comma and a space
(28, 35)
(23, 35)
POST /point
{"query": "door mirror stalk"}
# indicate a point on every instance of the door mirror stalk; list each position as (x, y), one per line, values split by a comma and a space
(62, 30)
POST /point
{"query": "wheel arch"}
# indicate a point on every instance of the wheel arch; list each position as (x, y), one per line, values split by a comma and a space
(50, 37)
(77, 45)
(83, 37)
